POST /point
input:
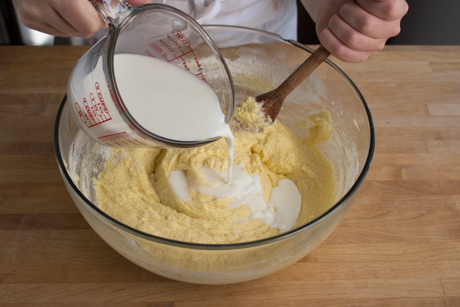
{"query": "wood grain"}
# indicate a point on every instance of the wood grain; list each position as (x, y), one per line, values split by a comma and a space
(399, 245)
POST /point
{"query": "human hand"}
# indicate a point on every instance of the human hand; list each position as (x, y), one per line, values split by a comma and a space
(353, 30)
(63, 17)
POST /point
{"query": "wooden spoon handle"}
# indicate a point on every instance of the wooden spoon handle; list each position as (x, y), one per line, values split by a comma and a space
(272, 101)
(302, 72)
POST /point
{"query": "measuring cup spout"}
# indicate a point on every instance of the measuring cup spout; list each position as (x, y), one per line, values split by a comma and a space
(110, 9)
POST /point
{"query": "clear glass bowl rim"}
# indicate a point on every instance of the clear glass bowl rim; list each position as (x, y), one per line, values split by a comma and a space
(231, 246)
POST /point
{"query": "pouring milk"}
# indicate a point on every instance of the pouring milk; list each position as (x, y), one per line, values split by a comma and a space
(171, 102)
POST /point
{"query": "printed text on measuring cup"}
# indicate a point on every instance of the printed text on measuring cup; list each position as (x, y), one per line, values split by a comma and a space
(96, 111)
(176, 48)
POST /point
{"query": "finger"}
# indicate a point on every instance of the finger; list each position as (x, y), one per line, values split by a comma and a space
(368, 24)
(341, 51)
(48, 29)
(385, 9)
(82, 16)
(353, 38)
(46, 19)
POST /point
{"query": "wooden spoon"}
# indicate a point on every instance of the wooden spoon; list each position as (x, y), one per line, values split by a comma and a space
(272, 101)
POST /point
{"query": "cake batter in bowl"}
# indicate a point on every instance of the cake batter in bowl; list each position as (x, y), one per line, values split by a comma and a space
(258, 61)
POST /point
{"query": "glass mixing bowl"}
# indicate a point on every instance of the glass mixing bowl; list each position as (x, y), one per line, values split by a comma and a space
(258, 61)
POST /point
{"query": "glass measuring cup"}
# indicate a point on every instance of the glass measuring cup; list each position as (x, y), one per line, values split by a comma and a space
(154, 30)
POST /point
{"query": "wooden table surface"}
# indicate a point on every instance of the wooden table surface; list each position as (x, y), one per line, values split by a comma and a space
(399, 245)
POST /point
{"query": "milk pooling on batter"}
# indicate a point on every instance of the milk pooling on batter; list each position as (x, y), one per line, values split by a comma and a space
(171, 102)
(280, 212)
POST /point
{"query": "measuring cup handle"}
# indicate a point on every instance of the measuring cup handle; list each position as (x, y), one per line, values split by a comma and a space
(109, 9)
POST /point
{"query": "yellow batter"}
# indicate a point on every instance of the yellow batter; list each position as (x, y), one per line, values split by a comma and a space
(134, 187)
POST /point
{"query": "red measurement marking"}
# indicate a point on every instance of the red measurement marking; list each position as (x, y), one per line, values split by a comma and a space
(198, 64)
(201, 76)
(169, 57)
(159, 50)
(149, 53)
(89, 117)
(120, 139)
(166, 45)
(102, 107)
(181, 37)
(185, 65)
(175, 43)
(97, 111)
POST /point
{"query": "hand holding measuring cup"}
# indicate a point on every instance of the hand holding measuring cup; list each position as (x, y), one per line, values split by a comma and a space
(63, 17)
(148, 33)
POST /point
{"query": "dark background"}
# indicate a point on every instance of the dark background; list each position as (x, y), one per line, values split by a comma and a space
(428, 22)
